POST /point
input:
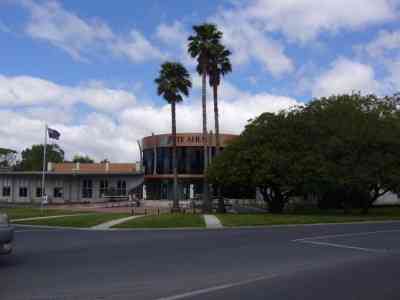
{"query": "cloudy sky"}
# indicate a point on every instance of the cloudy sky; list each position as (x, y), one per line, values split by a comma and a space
(87, 68)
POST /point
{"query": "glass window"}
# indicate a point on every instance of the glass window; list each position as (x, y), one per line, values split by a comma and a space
(164, 160)
(23, 192)
(87, 188)
(58, 192)
(6, 191)
(121, 187)
(38, 192)
(148, 161)
(103, 187)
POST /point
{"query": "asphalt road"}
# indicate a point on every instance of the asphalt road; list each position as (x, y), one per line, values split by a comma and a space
(358, 261)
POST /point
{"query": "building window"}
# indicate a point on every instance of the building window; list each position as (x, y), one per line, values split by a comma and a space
(87, 188)
(23, 192)
(6, 191)
(39, 192)
(103, 187)
(121, 187)
(58, 192)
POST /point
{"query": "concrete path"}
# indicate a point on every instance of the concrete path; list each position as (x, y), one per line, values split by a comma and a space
(212, 221)
(109, 224)
(49, 217)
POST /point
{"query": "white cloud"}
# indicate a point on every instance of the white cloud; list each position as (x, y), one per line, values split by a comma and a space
(113, 133)
(136, 48)
(248, 26)
(171, 34)
(175, 36)
(386, 40)
(50, 22)
(249, 42)
(23, 91)
(80, 38)
(346, 76)
(304, 20)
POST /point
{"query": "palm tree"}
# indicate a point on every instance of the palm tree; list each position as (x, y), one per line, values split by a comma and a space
(219, 66)
(201, 46)
(173, 83)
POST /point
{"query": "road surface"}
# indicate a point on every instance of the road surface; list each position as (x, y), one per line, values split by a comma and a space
(357, 261)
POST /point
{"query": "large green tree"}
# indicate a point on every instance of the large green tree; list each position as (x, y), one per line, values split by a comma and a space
(202, 46)
(32, 158)
(356, 139)
(345, 145)
(173, 83)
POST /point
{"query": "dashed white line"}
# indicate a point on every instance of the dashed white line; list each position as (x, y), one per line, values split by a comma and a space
(217, 288)
(344, 246)
(311, 238)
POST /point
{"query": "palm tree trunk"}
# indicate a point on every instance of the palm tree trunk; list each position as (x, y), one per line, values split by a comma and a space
(206, 200)
(221, 204)
(216, 118)
(175, 205)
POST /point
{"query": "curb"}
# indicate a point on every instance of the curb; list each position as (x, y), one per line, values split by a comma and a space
(205, 228)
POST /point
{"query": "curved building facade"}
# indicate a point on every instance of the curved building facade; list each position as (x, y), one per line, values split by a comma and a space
(157, 163)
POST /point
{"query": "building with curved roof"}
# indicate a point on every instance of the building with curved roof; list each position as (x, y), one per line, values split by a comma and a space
(157, 163)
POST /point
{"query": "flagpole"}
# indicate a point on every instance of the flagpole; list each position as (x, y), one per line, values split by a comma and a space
(44, 166)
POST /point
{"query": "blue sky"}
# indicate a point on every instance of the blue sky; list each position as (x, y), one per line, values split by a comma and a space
(88, 69)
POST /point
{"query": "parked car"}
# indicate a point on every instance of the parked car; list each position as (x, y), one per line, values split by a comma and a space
(6, 235)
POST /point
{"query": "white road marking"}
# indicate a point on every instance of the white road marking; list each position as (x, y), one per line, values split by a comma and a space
(344, 235)
(217, 288)
(344, 246)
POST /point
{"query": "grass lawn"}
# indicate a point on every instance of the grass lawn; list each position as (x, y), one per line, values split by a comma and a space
(77, 221)
(31, 212)
(309, 217)
(165, 221)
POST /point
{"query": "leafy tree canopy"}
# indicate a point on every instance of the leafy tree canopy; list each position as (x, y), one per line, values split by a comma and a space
(345, 144)
(32, 158)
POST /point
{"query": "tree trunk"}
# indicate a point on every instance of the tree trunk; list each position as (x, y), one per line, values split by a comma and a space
(275, 200)
(175, 206)
(216, 119)
(221, 204)
(206, 199)
(276, 205)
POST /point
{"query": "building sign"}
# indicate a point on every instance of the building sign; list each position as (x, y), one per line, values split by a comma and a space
(182, 139)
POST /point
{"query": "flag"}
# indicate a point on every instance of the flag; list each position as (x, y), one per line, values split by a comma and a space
(53, 134)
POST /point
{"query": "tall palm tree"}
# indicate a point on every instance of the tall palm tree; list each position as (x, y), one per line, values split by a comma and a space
(219, 66)
(173, 83)
(201, 46)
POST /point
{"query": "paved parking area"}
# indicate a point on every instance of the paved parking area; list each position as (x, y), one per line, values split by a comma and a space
(353, 261)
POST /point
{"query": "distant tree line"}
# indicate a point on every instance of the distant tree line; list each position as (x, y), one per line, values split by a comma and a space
(31, 159)
(342, 151)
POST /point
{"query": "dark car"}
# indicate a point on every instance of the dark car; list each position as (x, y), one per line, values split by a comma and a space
(6, 235)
